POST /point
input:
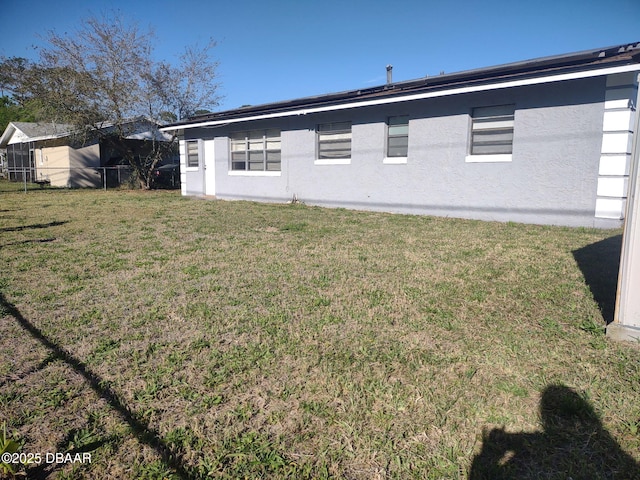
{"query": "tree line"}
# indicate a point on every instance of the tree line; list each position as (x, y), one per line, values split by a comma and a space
(101, 78)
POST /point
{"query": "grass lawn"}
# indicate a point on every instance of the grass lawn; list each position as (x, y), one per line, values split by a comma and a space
(180, 338)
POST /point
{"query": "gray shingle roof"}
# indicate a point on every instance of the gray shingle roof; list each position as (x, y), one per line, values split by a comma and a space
(43, 129)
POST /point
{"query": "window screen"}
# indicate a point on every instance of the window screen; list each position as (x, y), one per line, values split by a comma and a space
(258, 150)
(397, 136)
(193, 157)
(492, 130)
(334, 140)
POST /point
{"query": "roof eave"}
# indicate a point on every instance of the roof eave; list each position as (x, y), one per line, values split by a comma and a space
(7, 134)
(429, 91)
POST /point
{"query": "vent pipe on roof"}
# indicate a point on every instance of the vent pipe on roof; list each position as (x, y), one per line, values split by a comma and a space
(389, 76)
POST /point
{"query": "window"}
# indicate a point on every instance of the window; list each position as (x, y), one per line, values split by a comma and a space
(256, 151)
(492, 130)
(193, 155)
(397, 136)
(334, 142)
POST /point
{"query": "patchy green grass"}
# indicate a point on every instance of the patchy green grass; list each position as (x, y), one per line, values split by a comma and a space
(179, 338)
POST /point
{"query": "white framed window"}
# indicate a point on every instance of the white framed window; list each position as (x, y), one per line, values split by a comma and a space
(334, 143)
(192, 148)
(492, 134)
(397, 143)
(256, 151)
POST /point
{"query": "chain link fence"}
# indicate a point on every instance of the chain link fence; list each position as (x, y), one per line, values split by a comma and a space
(26, 179)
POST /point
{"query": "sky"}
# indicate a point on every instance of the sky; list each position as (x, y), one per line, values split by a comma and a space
(274, 50)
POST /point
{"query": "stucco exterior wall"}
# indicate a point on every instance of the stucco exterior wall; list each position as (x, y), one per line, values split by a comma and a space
(552, 178)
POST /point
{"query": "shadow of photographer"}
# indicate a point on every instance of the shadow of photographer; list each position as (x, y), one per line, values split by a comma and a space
(573, 445)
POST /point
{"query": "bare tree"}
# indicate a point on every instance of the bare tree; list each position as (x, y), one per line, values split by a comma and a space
(104, 81)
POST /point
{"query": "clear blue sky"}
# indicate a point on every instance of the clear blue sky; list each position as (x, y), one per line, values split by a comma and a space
(278, 50)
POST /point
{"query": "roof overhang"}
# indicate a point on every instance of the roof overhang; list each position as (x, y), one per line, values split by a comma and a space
(12, 128)
(143, 129)
(399, 98)
(7, 134)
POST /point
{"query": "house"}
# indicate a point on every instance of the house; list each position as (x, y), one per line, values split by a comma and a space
(540, 141)
(52, 153)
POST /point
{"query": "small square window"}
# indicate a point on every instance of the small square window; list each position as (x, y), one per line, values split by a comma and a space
(492, 130)
(334, 141)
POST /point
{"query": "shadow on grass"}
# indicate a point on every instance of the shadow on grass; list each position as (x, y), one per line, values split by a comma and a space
(140, 428)
(29, 227)
(573, 444)
(600, 263)
(43, 364)
(25, 242)
(45, 469)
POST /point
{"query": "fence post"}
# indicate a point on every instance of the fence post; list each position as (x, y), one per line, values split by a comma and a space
(104, 175)
(24, 178)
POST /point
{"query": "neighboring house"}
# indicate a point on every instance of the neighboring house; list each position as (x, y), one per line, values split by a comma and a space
(48, 152)
(541, 141)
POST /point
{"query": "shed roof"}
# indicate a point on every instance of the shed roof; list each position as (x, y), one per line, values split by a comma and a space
(572, 65)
